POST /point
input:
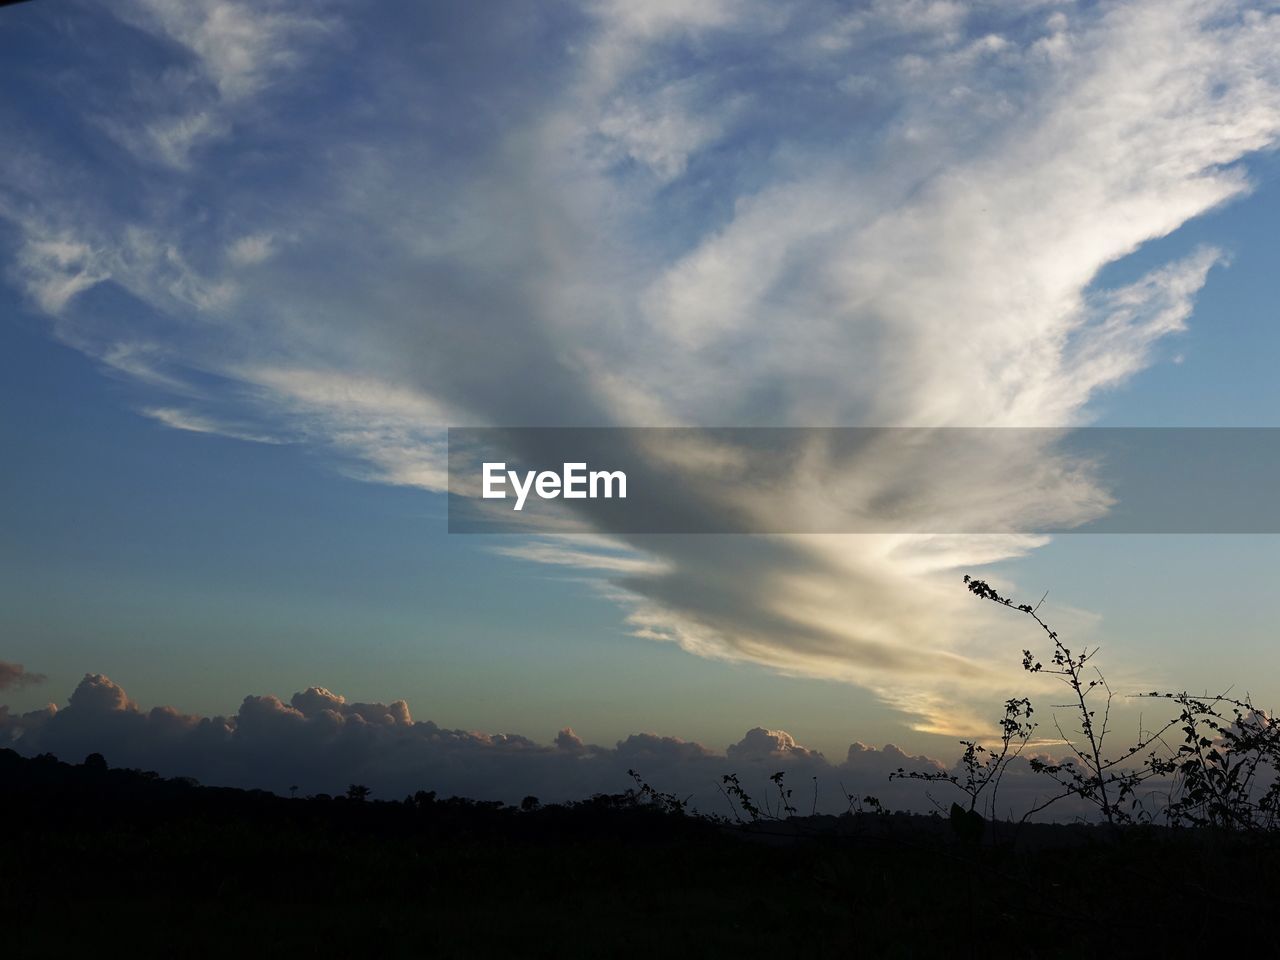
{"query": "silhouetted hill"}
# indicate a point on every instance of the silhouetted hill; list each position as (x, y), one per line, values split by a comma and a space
(99, 858)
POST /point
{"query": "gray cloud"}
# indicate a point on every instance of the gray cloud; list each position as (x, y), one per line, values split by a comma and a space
(319, 742)
(14, 675)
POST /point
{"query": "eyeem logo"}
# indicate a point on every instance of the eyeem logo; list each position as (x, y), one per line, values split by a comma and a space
(573, 483)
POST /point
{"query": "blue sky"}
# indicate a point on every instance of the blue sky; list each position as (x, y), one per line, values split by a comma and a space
(195, 569)
(257, 256)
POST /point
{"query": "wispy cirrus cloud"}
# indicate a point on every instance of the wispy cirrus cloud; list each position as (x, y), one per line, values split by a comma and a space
(180, 419)
(654, 214)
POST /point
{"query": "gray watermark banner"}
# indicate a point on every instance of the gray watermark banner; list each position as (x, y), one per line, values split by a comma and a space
(825, 480)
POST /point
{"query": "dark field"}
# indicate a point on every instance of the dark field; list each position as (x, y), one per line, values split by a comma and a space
(119, 860)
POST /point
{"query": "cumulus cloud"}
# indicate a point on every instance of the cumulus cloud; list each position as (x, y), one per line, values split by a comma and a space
(320, 742)
(14, 675)
(895, 216)
(762, 744)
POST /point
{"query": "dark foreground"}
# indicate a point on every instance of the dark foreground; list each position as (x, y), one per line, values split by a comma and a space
(130, 864)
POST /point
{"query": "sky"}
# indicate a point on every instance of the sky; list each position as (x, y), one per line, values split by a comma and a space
(256, 258)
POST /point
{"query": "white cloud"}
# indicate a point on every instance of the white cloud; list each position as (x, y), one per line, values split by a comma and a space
(239, 46)
(198, 423)
(584, 553)
(168, 140)
(55, 269)
(251, 249)
(395, 429)
(662, 129)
